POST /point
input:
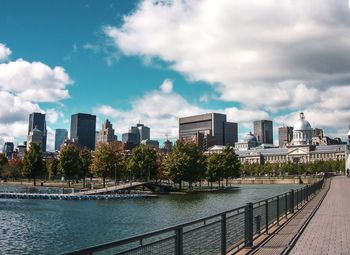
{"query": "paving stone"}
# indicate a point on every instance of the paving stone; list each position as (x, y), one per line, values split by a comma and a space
(329, 229)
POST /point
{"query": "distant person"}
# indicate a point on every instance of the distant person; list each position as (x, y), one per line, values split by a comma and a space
(347, 172)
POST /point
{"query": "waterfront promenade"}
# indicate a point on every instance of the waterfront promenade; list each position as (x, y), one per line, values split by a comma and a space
(328, 232)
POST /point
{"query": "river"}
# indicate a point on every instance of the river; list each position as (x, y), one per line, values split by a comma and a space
(58, 226)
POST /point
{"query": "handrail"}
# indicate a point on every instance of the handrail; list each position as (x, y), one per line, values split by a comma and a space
(296, 197)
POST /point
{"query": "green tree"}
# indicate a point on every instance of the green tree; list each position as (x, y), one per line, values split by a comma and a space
(185, 162)
(230, 164)
(143, 162)
(3, 165)
(85, 164)
(107, 160)
(52, 168)
(33, 162)
(214, 169)
(69, 163)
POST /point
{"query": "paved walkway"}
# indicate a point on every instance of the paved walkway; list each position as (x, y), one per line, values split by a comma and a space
(328, 232)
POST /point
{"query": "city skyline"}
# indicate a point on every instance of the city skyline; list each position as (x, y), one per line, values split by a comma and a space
(90, 60)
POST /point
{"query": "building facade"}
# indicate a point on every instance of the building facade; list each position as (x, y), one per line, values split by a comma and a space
(8, 150)
(35, 136)
(208, 129)
(60, 136)
(136, 135)
(106, 134)
(285, 136)
(299, 150)
(37, 120)
(263, 131)
(83, 130)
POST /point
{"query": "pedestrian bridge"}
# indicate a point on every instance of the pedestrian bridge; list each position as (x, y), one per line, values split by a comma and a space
(152, 186)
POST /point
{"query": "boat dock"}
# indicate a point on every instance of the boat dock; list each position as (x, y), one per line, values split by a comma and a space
(73, 196)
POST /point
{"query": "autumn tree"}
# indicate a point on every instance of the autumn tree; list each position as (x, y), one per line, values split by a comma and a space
(107, 160)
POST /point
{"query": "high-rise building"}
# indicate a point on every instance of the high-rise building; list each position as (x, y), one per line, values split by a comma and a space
(60, 136)
(8, 150)
(35, 136)
(152, 143)
(208, 129)
(136, 135)
(37, 120)
(168, 146)
(83, 130)
(285, 136)
(106, 134)
(263, 131)
(144, 132)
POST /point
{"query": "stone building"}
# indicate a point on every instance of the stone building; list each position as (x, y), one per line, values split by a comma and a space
(300, 149)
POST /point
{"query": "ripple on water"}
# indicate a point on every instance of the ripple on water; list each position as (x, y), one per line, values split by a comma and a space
(57, 226)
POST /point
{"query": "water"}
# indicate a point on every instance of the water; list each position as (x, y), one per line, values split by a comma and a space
(58, 226)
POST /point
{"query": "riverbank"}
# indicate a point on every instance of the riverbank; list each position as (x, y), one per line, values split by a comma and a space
(275, 180)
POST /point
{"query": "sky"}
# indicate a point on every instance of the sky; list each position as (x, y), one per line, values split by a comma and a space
(153, 61)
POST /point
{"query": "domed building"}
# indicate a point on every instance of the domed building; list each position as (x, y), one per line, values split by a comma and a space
(302, 131)
(249, 141)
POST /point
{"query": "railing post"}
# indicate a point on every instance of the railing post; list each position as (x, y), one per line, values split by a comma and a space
(291, 201)
(179, 241)
(286, 203)
(267, 216)
(278, 210)
(223, 234)
(248, 219)
(307, 192)
(297, 198)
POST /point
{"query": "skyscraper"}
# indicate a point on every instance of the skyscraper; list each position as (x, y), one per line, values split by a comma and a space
(8, 150)
(60, 136)
(144, 132)
(83, 130)
(208, 129)
(37, 120)
(106, 134)
(263, 131)
(285, 136)
(35, 136)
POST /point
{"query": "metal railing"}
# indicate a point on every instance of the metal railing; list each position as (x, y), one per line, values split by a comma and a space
(217, 234)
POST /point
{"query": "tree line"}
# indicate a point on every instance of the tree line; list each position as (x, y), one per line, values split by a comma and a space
(185, 163)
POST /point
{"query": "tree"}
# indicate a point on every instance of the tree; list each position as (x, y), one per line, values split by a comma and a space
(33, 162)
(69, 162)
(16, 168)
(107, 159)
(185, 162)
(214, 170)
(52, 168)
(143, 162)
(85, 164)
(3, 165)
(230, 164)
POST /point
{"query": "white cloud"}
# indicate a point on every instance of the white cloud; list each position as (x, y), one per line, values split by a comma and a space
(52, 115)
(34, 81)
(167, 86)
(273, 54)
(160, 110)
(23, 85)
(4, 52)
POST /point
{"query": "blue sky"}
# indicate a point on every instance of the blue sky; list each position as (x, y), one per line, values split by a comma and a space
(155, 61)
